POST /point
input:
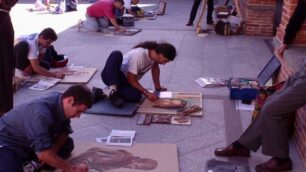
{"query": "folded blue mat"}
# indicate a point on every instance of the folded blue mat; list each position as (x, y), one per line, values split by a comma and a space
(104, 107)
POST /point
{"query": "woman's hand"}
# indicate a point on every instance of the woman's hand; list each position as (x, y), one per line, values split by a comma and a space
(150, 96)
(161, 89)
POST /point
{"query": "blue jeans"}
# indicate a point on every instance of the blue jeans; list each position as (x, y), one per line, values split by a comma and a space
(10, 161)
(112, 75)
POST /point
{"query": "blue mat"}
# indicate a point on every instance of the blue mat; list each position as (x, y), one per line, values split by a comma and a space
(104, 107)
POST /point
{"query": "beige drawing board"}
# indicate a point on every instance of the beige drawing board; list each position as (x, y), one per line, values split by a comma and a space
(192, 98)
(118, 158)
(73, 74)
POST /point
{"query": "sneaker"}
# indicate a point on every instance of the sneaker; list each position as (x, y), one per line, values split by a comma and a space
(97, 94)
(115, 99)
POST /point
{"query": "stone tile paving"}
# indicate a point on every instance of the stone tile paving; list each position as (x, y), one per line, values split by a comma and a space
(210, 56)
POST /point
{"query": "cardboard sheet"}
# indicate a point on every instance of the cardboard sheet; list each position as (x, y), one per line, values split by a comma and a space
(192, 98)
(112, 32)
(158, 157)
(73, 74)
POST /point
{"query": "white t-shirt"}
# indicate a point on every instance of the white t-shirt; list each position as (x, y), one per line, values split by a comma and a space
(127, 4)
(35, 50)
(137, 61)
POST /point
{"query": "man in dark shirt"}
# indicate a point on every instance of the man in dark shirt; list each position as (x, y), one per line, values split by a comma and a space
(39, 130)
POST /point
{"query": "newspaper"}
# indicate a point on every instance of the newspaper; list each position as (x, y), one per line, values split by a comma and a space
(211, 82)
(121, 138)
(44, 84)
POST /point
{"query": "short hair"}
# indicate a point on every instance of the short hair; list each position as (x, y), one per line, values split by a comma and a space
(81, 95)
(48, 33)
(120, 1)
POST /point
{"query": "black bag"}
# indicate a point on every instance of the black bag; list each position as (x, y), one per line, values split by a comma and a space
(71, 5)
(223, 28)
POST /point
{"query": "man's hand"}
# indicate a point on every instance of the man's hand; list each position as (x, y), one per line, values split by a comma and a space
(280, 51)
(121, 29)
(59, 75)
(151, 96)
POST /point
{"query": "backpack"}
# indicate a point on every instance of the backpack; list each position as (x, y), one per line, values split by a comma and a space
(71, 5)
(223, 28)
(66, 6)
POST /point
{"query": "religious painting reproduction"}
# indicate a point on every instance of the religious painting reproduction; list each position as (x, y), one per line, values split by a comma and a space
(101, 159)
(140, 157)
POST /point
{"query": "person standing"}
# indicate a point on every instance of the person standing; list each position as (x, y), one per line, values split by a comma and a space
(6, 56)
(194, 9)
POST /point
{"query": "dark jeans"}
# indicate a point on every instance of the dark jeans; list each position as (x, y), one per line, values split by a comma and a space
(295, 22)
(112, 75)
(195, 6)
(6, 62)
(12, 162)
(21, 51)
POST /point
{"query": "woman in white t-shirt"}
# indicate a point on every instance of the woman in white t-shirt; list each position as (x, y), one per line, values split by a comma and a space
(123, 72)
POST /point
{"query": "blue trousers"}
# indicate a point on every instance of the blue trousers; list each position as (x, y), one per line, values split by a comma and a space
(10, 161)
(112, 75)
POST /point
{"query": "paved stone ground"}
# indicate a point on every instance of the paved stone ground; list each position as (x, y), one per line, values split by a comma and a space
(210, 56)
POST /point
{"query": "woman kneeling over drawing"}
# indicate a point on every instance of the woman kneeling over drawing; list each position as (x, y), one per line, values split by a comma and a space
(122, 72)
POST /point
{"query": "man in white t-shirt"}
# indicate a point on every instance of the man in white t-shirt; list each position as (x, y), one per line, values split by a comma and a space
(30, 54)
(122, 72)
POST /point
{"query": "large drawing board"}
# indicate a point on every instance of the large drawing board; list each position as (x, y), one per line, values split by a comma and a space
(73, 74)
(164, 154)
(192, 98)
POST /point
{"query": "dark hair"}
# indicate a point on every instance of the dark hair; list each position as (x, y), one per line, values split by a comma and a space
(48, 33)
(81, 95)
(164, 48)
(120, 1)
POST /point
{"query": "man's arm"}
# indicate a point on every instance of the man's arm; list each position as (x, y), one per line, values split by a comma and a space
(116, 25)
(42, 71)
(50, 157)
(132, 79)
(60, 140)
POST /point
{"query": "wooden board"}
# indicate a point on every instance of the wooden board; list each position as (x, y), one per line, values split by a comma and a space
(73, 74)
(160, 157)
(147, 17)
(112, 32)
(199, 23)
(192, 98)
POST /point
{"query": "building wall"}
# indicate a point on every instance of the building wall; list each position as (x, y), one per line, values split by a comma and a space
(288, 9)
(259, 17)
